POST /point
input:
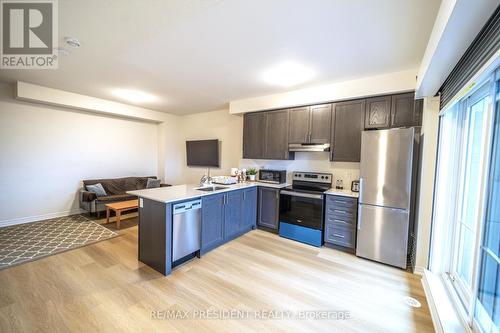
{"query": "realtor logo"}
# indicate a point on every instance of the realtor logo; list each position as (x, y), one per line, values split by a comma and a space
(29, 34)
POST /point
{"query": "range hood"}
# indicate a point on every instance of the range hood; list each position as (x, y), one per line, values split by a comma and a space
(309, 147)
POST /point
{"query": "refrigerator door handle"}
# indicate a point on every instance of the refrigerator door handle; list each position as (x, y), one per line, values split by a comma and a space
(361, 182)
(360, 215)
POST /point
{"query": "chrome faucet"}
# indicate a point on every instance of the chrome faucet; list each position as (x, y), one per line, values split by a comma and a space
(206, 181)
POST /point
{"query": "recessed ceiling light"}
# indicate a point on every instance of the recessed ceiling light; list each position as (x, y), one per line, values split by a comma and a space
(73, 42)
(287, 74)
(134, 96)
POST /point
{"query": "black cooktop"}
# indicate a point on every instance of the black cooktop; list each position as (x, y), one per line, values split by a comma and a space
(307, 189)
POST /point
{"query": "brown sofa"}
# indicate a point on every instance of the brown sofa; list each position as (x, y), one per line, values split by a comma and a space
(116, 190)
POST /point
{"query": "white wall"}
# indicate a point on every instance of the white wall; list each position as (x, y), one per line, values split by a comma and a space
(369, 86)
(171, 151)
(56, 97)
(457, 24)
(213, 125)
(228, 129)
(430, 124)
(46, 152)
(310, 161)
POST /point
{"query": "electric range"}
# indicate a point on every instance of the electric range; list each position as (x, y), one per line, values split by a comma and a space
(301, 207)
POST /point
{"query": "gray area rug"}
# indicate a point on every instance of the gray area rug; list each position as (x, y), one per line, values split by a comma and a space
(31, 241)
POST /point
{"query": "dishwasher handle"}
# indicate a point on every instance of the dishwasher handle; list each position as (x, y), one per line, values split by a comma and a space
(186, 206)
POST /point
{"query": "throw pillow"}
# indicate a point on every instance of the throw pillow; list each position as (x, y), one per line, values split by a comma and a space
(97, 189)
(153, 183)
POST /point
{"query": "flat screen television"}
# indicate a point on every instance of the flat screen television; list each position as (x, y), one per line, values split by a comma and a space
(203, 153)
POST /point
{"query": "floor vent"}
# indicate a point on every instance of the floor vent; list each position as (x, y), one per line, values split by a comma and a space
(412, 302)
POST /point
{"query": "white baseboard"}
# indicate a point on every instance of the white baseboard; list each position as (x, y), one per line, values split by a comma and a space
(419, 270)
(432, 304)
(444, 315)
(35, 218)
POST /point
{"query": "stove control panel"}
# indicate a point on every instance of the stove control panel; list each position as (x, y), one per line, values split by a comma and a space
(313, 177)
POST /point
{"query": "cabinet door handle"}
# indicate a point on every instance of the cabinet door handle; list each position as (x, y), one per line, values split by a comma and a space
(338, 235)
(393, 116)
(340, 211)
(342, 201)
(340, 221)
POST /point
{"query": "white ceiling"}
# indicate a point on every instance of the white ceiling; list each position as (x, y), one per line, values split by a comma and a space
(197, 55)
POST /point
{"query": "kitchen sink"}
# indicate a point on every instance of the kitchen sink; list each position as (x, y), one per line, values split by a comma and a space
(211, 188)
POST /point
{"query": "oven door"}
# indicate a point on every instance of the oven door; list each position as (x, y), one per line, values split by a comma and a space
(304, 209)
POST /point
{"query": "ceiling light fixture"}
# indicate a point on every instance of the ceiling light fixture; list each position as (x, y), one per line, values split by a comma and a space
(73, 42)
(288, 74)
(134, 96)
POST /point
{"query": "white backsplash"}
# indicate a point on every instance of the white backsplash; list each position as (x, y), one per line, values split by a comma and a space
(312, 162)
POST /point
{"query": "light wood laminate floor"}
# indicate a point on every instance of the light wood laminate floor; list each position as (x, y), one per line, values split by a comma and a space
(103, 288)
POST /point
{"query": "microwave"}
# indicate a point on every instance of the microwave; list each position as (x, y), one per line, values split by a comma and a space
(272, 176)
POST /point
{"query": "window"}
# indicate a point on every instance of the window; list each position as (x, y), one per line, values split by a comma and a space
(472, 155)
(487, 310)
(466, 223)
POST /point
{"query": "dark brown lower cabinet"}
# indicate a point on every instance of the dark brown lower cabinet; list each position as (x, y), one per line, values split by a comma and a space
(341, 221)
(269, 205)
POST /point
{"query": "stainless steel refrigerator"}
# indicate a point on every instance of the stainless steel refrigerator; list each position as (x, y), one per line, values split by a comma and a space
(386, 194)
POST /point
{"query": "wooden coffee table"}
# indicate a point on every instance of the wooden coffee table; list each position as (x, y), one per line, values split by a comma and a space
(119, 207)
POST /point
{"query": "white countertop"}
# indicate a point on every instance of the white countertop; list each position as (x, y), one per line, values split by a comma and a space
(344, 193)
(185, 192)
(283, 185)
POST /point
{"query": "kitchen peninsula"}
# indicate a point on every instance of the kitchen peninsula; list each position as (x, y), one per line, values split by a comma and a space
(227, 212)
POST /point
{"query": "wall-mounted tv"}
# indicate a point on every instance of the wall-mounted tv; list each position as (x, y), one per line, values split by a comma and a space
(203, 153)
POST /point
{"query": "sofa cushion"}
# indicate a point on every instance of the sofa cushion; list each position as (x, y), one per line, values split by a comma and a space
(97, 189)
(153, 183)
(116, 197)
(120, 185)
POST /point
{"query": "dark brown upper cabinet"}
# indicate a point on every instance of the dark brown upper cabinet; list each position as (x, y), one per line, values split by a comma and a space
(347, 125)
(254, 127)
(405, 110)
(299, 125)
(265, 135)
(310, 124)
(419, 109)
(276, 142)
(378, 112)
(320, 123)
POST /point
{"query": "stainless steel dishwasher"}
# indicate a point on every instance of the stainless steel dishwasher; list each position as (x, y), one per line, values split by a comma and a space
(186, 234)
